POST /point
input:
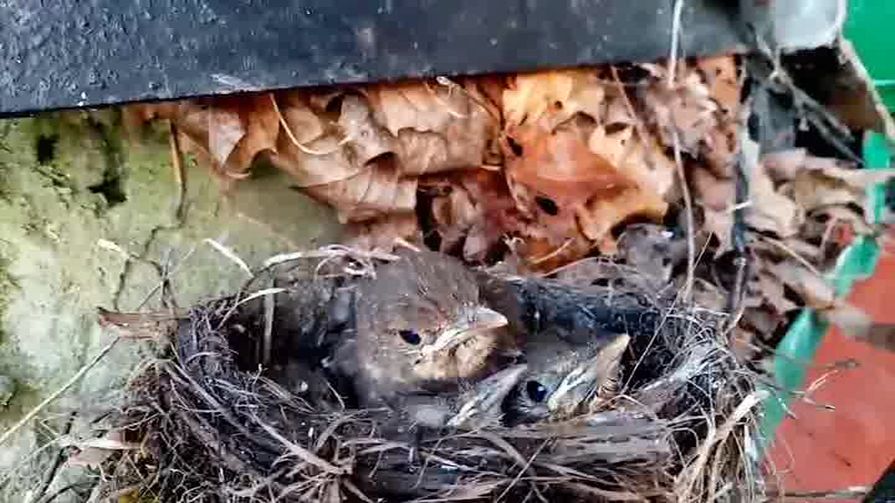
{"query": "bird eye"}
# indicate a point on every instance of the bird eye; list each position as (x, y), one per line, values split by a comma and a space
(536, 391)
(410, 337)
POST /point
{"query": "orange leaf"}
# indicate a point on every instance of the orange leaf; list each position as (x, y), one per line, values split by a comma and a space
(560, 165)
(239, 128)
(599, 216)
(554, 96)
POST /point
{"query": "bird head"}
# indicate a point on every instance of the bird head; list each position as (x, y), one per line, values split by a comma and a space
(563, 380)
(421, 310)
(476, 405)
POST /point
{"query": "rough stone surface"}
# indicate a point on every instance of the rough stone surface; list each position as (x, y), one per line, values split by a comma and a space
(89, 219)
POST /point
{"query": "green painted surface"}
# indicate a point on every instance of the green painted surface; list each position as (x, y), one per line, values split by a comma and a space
(870, 28)
(797, 349)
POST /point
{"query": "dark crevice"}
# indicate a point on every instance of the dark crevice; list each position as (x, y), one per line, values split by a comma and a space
(426, 218)
(547, 205)
(112, 185)
(45, 149)
(110, 188)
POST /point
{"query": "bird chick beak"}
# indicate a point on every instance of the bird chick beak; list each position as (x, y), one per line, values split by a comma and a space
(584, 381)
(481, 405)
(470, 323)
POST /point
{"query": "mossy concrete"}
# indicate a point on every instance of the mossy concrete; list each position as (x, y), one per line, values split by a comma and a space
(90, 217)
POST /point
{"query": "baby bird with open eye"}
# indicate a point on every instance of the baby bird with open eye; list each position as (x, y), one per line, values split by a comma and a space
(419, 325)
(564, 379)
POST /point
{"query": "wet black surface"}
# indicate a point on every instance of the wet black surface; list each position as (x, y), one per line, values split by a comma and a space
(96, 52)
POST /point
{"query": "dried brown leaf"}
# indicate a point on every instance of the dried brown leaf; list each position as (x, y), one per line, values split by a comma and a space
(816, 292)
(136, 115)
(365, 139)
(599, 216)
(720, 73)
(328, 162)
(419, 105)
(560, 166)
(455, 214)
(552, 96)
(438, 126)
(543, 254)
(685, 111)
(474, 204)
(769, 287)
(303, 123)
(712, 192)
(719, 146)
(378, 190)
(716, 196)
(813, 189)
(835, 186)
(782, 166)
(239, 128)
(719, 224)
(325, 152)
(94, 451)
(458, 148)
(771, 211)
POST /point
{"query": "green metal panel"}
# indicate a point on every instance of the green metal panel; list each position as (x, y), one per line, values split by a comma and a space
(871, 28)
(798, 347)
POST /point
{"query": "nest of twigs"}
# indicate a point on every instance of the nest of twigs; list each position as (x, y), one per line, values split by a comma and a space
(216, 425)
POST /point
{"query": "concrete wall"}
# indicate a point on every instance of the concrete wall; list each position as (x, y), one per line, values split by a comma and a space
(88, 219)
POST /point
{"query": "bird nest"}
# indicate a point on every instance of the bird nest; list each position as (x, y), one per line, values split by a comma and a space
(219, 420)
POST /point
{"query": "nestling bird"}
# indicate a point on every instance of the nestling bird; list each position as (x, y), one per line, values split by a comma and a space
(474, 405)
(564, 378)
(419, 324)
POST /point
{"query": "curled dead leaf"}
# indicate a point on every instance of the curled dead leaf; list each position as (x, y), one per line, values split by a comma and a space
(716, 196)
(719, 146)
(455, 213)
(303, 124)
(365, 139)
(685, 112)
(813, 189)
(439, 126)
(769, 287)
(600, 215)
(323, 161)
(835, 186)
(712, 192)
(816, 292)
(782, 166)
(722, 79)
(543, 254)
(552, 97)
(377, 190)
(560, 165)
(239, 128)
(475, 212)
(770, 210)
(94, 451)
